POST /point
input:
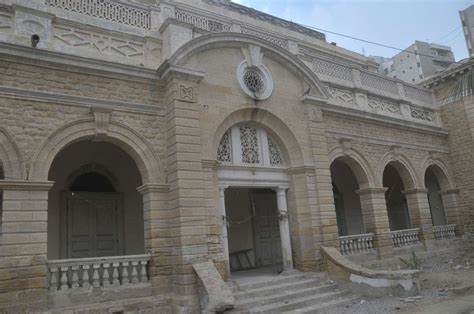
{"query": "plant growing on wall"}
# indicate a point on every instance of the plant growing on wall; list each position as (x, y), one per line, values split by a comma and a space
(413, 262)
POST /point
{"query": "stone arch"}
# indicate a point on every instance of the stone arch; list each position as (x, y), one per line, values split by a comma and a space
(404, 167)
(11, 161)
(280, 132)
(122, 136)
(224, 40)
(356, 162)
(440, 171)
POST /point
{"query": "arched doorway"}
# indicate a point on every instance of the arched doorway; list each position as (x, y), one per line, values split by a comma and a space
(94, 208)
(438, 214)
(397, 207)
(346, 200)
(253, 180)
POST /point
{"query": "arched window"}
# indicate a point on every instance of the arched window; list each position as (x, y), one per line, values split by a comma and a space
(246, 144)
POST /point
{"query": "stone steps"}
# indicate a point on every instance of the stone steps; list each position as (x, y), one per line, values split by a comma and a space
(299, 292)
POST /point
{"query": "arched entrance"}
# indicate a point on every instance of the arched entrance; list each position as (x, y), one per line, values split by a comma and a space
(94, 209)
(438, 214)
(397, 207)
(253, 181)
(346, 200)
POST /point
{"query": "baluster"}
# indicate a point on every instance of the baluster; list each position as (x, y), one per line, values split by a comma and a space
(85, 276)
(371, 243)
(134, 272)
(125, 279)
(105, 275)
(53, 280)
(343, 247)
(64, 280)
(143, 271)
(364, 244)
(115, 274)
(75, 277)
(95, 275)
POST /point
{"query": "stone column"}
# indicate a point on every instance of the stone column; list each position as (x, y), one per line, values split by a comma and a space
(284, 228)
(374, 212)
(453, 210)
(23, 250)
(189, 227)
(225, 238)
(156, 219)
(419, 211)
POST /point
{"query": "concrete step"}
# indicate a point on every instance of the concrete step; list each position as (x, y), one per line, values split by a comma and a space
(300, 303)
(276, 280)
(324, 307)
(278, 288)
(285, 297)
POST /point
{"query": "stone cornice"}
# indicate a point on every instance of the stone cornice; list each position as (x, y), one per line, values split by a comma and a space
(88, 102)
(24, 185)
(167, 72)
(210, 163)
(449, 191)
(153, 187)
(385, 142)
(376, 190)
(374, 118)
(95, 66)
(415, 191)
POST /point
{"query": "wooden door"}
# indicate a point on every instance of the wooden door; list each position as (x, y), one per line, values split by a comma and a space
(94, 225)
(267, 229)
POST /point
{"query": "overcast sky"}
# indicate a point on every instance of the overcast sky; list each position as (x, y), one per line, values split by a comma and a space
(392, 22)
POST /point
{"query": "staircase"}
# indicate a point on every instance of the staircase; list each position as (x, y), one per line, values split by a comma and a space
(296, 292)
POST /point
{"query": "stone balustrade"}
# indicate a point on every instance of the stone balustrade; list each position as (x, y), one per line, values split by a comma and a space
(356, 244)
(78, 273)
(444, 232)
(405, 237)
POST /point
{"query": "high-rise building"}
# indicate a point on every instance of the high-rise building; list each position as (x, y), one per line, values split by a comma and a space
(467, 20)
(417, 62)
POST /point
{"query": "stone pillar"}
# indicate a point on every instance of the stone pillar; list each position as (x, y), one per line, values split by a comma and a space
(225, 238)
(453, 210)
(156, 219)
(23, 250)
(420, 215)
(190, 226)
(284, 228)
(374, 212)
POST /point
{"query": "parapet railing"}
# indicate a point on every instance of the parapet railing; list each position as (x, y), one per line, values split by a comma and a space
(407, 237)
(444, 232)
(70, 274)
(356, 244)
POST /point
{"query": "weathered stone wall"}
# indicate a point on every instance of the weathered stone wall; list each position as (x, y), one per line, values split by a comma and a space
(459, 120)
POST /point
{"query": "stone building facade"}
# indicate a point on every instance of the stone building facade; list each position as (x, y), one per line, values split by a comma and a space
(138, 139)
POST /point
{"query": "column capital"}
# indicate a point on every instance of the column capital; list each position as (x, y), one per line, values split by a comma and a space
(415, 191)
(25, 185)
(153, 187)
(281, 188)
(371, 190)
(449, 191)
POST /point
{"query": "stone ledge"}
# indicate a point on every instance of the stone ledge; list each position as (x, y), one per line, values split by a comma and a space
(369, 282)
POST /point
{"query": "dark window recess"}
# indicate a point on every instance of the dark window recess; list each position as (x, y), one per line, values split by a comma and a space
(92, 182)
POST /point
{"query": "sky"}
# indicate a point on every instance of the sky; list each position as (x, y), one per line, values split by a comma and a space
(396, 23)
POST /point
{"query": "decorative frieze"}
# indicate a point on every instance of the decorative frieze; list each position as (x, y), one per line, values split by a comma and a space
(283, 43)
(342, 97)
(107, 10)
(383, 105)
(418, 94)
(97, 43)
(422, 114)
(378, 83)
(335, 70)
(202, 22)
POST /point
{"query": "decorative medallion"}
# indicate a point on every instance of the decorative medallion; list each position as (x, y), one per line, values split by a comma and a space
(254, 78)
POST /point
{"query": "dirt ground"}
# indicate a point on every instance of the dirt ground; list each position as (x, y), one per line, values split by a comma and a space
(447, 286)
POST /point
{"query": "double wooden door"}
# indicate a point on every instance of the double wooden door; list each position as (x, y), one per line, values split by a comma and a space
(94, 224)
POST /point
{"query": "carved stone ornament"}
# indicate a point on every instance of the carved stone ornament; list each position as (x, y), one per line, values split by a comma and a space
(101, 120)
(187, 93)
(254, 78)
